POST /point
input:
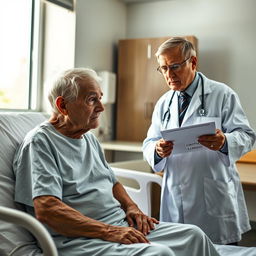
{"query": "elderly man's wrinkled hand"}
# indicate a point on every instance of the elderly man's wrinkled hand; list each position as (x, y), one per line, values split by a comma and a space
(124, 235)
(136, 218)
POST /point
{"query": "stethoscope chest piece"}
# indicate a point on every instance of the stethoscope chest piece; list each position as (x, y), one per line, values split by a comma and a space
(201, 112)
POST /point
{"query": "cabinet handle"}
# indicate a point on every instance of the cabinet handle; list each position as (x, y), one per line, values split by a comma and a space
(149, 51)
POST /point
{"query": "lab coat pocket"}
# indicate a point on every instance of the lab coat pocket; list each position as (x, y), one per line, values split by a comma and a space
(219, 197)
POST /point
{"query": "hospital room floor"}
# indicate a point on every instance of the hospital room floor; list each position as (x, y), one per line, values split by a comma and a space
(248, 239)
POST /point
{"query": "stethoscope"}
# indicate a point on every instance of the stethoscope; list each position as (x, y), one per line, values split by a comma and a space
(201, 111)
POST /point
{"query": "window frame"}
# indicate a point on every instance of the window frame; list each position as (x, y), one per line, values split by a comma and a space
(68, 4)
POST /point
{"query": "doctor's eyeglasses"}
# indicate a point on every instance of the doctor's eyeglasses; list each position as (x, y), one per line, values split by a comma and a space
(174, 67)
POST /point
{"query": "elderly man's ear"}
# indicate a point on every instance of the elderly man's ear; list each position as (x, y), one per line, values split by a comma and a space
(61, 105)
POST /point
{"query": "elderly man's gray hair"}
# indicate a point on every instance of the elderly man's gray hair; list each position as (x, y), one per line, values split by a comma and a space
(66, 84)
(187, 48)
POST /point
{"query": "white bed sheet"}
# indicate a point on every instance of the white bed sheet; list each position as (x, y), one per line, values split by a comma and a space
(229, 250)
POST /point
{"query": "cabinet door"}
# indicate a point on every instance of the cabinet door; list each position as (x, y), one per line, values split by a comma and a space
(139, 86)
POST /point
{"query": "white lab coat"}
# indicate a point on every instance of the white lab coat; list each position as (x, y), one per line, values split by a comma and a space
(204, 188)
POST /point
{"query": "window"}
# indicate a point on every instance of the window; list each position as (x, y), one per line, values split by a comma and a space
(16, 29)
(31, 35)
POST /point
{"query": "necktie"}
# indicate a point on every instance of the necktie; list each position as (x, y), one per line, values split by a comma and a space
(183, 105)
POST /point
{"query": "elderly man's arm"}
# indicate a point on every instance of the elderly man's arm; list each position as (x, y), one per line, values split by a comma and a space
(69, 222)
(135, 217)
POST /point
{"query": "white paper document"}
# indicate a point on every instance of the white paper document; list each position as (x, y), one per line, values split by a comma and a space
(185, 138)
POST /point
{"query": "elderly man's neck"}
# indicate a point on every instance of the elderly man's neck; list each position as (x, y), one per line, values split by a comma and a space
(64, 126)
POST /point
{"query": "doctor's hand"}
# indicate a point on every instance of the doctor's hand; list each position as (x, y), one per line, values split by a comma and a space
(213, 142)
(164, 148)
(136, 218)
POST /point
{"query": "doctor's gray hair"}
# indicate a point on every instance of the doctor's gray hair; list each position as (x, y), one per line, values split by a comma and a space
(67, 83)
(186, 47)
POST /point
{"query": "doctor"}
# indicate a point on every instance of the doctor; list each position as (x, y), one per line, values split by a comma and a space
(201, 187)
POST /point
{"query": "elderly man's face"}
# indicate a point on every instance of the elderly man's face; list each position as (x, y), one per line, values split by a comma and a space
(179, 79)
(84, 112)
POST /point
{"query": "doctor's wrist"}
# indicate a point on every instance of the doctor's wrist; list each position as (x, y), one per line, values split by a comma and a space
(224, 148)
(157, 158)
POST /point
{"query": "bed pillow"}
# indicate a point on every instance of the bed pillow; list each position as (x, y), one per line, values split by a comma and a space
(14, 240)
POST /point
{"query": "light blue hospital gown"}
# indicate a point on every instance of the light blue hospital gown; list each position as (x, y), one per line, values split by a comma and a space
(76, 172)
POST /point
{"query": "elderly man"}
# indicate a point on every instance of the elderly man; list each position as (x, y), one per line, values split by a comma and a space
(199, 187)
(63, 179)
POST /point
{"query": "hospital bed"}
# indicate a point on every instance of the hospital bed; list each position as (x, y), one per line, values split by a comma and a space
(20, 233)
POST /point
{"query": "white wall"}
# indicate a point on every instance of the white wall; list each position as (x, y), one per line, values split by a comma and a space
(226, 33)
(99, 26)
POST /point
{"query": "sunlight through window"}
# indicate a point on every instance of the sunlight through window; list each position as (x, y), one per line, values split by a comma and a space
(15, 47)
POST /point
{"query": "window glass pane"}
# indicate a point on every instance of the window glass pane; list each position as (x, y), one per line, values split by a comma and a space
(15, 31)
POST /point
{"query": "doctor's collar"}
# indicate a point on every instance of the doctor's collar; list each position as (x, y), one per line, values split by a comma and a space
(192, 87)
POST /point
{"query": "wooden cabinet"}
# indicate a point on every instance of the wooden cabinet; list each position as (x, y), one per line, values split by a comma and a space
(139, 86)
